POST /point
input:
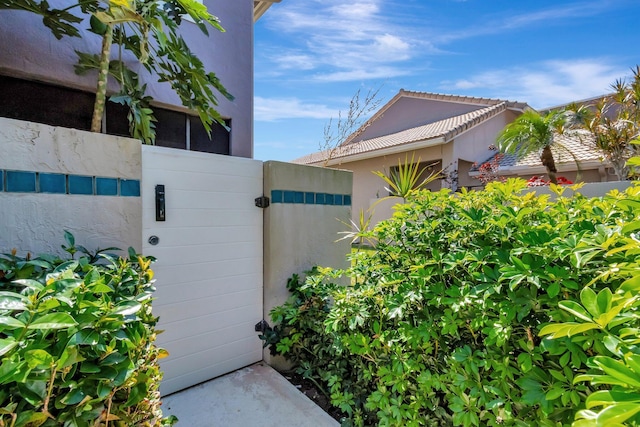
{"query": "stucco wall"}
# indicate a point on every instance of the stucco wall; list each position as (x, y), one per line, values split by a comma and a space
(367, 186)
(33, 221)
(301, 233)
(474, 145)
(29, 50)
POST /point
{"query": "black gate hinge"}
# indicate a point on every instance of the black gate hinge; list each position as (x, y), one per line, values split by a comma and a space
(262, 326)
(262, 202)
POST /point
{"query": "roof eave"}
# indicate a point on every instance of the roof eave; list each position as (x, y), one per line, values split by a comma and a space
(539, 169)
(260, 7)
(417, 145)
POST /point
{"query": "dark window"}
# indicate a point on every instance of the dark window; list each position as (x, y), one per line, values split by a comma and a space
(427, 168)
(60, 106)
(116, 117)
(171, 128)
(43, 103)
(219, 142)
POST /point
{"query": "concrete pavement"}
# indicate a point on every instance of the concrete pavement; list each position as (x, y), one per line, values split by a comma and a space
(255, 396)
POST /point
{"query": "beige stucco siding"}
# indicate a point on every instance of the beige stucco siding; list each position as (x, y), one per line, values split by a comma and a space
(367, 186)
(473, 145)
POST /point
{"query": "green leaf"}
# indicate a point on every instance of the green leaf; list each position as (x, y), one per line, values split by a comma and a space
(604, 300)
(596, 379)
(37, 358)
(588, 299)
(127, 308)
(631, 285)
(9, 322)
(30, 283)
(35, 419)
(53, 321)
(633, 361)
(618, 413)
(575, 309)
(559, 330)
(68, 237)
(609, 315)
(67, 267)
(7, 344)
(611, 397)
(617, 370)
(136, 394)
(70, 356)
(73, 397)
(553, 290)
(13, 302)
(631, 226)
(85, 337)
(97, 26)
(554, 393)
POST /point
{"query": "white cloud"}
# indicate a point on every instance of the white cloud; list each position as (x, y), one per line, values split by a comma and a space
(343, 42)
(558, 14)
(361, 74)
(274, 109)
(296, 61)
(544, 84)
(391, 47)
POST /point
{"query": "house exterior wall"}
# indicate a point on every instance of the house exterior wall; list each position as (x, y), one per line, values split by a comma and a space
(367, 187)
(473, 146)
(410, 112)
(29, 50)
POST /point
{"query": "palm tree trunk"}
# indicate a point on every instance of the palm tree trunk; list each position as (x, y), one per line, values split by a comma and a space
(103, 74)
(549, 162)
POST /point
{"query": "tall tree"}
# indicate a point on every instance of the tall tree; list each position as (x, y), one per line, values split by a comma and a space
(614, 123)
(533, 133)
(130, 24)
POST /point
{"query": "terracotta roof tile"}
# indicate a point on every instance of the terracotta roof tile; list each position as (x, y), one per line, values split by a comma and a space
(447, 129)
(578, 146)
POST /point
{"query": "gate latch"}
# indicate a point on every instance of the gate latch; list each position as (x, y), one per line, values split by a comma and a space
(262, 202)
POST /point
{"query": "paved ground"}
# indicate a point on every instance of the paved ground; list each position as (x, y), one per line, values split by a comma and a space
(255, 396)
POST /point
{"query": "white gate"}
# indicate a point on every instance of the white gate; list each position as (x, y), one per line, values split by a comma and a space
(209, 268)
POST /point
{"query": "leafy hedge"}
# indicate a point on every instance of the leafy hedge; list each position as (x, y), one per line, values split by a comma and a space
(76, 340)
(441, 322)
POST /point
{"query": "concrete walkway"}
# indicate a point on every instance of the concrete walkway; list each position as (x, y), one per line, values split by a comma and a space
(255, 396)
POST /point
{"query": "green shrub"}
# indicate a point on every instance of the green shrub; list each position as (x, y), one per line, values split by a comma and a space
(76, 340)
(440, 325)
(610, 318)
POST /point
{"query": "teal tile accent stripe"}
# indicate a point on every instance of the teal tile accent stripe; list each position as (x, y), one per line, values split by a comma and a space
(310, 198)
(20, 181)
(12, 181)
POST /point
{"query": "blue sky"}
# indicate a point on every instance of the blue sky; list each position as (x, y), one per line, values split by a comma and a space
(311, 56)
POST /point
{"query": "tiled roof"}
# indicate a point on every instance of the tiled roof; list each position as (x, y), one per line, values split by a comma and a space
(578, 146)
(459, 98)
(446, 129)
(471, 100)
(587, 101)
